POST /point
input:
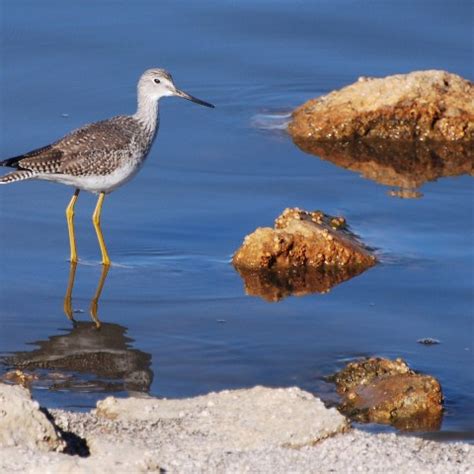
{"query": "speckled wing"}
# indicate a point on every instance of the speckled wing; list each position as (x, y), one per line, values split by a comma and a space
(92, 149)
(39, 160)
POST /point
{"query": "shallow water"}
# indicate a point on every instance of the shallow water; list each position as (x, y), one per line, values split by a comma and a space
(176, 319)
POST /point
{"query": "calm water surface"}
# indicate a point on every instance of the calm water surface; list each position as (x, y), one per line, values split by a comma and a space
(176, 319)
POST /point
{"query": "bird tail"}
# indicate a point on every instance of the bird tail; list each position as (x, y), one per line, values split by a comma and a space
(11, 162)
(19, 175)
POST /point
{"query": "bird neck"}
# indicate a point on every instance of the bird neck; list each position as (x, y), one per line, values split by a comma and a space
(147, 112)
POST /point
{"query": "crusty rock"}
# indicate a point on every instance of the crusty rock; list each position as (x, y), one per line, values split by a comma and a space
(404, 164)
(364, 371)
(379, 390)
(302, 238)
(22, 423)
(246, 419)
(147, 439)
(425, 105)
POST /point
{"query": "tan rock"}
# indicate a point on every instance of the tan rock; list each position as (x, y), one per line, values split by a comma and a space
(19, 377)
(425, 105)
(378, 390)
(302, 238)
(23, 424)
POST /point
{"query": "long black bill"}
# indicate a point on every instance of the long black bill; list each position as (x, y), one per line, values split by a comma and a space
(184, 95)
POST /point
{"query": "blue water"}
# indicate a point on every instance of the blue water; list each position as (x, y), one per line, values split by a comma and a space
(212, 177)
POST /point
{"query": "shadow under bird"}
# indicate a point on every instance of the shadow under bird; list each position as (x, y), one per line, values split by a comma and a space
(101, 156)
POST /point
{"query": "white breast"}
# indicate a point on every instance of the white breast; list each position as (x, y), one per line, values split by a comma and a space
(97, 183)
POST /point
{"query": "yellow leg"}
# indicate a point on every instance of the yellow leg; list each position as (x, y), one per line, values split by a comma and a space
(70, 225)
(95, 300)
(68, 297)
(100, 237)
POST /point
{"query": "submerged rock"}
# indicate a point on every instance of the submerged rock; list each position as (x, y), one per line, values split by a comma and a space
(18, 377)
(424, 105)
(301, 238)
(379, 390)
(428, 341)
(402, 164)
(22, 423)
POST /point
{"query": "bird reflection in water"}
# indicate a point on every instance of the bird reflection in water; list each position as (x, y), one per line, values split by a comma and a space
(94, 306)
(93, 356)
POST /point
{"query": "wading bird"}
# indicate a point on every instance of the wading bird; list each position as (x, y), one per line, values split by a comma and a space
(101, 156)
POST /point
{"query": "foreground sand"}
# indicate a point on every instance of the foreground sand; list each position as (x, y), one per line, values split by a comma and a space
(256, 430)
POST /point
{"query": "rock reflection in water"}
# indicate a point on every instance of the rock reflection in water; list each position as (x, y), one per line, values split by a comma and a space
(274, 285)
(92, 356)
(405, 165)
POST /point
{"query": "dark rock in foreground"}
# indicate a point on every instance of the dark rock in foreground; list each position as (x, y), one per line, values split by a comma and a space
(422, 105)
(378, 390)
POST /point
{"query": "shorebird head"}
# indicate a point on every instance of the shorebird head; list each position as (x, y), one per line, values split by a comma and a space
(158, 83)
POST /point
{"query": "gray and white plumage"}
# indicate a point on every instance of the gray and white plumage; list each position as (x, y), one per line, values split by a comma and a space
(101, 156)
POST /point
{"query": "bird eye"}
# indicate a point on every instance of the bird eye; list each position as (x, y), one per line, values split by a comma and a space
(157, 81)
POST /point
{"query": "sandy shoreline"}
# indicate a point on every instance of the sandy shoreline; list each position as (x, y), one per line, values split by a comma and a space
(251, 430)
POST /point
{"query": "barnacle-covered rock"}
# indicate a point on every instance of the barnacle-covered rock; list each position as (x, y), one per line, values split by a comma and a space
(305, 252)
(377, 390)
(300, 239)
